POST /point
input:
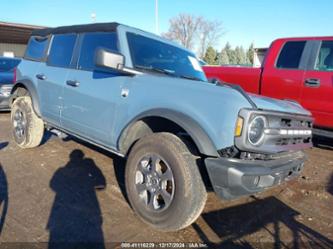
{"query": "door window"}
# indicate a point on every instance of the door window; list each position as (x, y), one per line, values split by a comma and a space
(61, 50)
(290, 55)
(92, 41)
(324, 61)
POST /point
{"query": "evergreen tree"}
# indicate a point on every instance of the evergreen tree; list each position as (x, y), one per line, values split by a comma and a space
(242, 56)
(250, 53)
(210, 56)
(231, 54)
(223, 57)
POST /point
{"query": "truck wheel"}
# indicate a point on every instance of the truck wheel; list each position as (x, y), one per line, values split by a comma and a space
(27, 128)
(163, 182)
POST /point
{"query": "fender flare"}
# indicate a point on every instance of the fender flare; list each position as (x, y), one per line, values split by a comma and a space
(200, 137)
(31, 88)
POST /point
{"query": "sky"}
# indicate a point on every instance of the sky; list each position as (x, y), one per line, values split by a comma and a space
(244, 21)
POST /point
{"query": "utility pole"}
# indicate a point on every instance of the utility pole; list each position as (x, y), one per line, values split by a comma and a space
(156, 17)
(93, 16)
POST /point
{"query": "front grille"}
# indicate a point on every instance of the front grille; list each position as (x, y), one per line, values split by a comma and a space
(288, 131)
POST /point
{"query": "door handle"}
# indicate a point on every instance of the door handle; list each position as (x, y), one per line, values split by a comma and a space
(312, 82)
(41, 76)
(73, 83)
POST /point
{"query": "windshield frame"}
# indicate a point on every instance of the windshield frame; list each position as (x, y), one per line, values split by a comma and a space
(161, 40)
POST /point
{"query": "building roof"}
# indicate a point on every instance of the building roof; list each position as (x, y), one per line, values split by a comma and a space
(16, 32)
(93, 27)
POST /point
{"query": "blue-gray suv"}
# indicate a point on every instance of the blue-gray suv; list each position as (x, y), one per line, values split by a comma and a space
(147, 99)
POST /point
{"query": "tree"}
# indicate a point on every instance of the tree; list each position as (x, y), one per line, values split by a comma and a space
(250, 53)
(184, 29)
(223, 57)
(231, 54)
(240, 55)
(194, 32)
(210, 56)
(209, 33)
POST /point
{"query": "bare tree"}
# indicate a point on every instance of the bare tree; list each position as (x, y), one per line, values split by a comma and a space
(184, 29)
(209, 33)
(194, 32)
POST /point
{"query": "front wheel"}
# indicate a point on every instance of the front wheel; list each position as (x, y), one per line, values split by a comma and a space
(27, 127)
(163, 182)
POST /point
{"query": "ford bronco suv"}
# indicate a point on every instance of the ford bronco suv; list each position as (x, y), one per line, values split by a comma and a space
(147, 99)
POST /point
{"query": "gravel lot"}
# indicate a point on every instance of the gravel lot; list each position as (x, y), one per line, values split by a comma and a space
(68, 191)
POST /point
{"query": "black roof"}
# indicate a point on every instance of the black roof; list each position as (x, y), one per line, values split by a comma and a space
(93, 27)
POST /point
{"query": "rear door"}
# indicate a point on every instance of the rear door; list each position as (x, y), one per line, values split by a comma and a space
(317, 93)
(283, 76)
(52, 76)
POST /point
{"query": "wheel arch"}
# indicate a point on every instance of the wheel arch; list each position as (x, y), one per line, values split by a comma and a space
(146, 123)
(22, 88)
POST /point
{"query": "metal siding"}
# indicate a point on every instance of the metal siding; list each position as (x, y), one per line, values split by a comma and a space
(17, 49)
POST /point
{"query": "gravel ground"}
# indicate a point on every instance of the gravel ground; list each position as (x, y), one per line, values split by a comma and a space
(68, 191)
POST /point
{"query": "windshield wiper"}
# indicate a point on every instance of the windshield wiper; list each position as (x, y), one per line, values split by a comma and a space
(155, 69)
(190, 77)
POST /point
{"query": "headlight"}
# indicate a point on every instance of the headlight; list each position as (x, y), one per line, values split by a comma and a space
(256, 130)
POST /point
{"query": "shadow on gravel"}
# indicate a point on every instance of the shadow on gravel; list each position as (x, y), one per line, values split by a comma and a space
(3, 198)
(118, 164)
(330, 185)
(231, 225)
(75, 220)
(3, 145)
(323, 143)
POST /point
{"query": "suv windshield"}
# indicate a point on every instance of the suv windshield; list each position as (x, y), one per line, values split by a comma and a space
(8, 64)
(153, 55)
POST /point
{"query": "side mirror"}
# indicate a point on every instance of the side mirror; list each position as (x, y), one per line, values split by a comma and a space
(109, 59)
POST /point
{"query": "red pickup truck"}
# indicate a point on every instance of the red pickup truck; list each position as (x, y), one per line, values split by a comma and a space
(297, 69)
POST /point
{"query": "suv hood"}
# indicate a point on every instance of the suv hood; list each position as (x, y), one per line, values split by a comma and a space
(266, 103)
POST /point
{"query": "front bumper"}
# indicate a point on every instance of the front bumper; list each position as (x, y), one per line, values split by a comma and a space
(232, 178)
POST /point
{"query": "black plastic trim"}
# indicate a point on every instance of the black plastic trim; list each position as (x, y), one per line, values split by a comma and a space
(94, 27)
(196, 132)
(32, 91)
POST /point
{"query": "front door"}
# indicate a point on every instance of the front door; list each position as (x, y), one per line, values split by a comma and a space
(283, 78)
(317, 93)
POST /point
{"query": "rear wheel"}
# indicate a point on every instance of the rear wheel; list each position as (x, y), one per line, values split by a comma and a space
(163, 182)
(27, 127)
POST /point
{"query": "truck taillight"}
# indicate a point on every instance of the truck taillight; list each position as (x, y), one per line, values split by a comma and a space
(14, 75)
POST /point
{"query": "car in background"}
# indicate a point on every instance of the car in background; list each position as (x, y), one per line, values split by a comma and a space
(295, 69)
(7, 79)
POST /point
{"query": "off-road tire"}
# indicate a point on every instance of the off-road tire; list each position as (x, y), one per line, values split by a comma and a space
(34, 126)
(190, 193)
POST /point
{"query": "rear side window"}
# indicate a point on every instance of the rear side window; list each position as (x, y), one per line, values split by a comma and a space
(61, 50)
(92, 41)
(324, 60)
(36, 48)
(290, 55)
